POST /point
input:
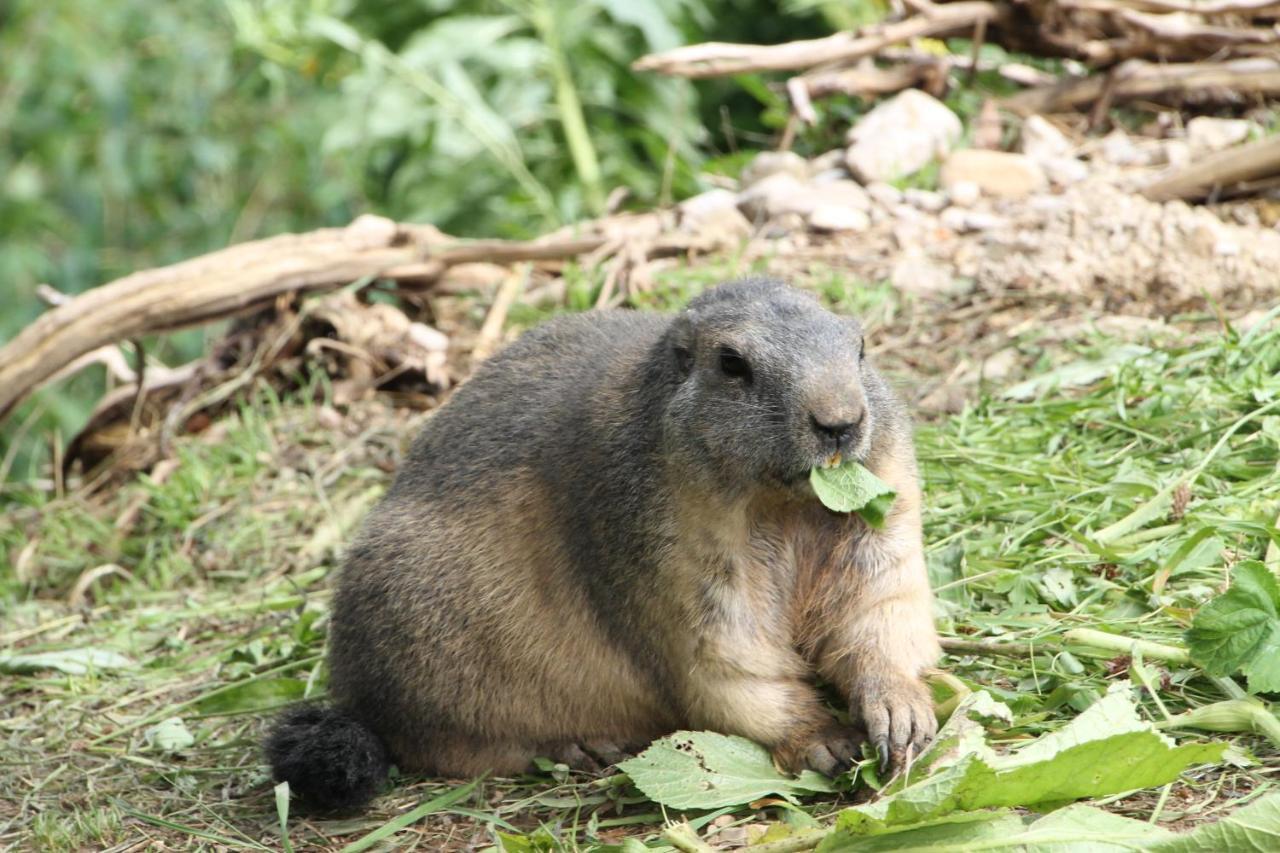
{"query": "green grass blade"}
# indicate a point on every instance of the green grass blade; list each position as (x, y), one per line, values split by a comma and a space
(408, 818)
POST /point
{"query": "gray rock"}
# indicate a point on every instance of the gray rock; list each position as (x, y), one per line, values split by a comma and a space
(769, 163)
(900, 136)
(997, 173)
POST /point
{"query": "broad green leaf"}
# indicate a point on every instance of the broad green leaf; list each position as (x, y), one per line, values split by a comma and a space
(1240, 629)
(1254, 827)
(705, 770)
(1107, 749)
(1076, 828)
(252, 696)
(171, 735)
(852, 488)
(70, 661)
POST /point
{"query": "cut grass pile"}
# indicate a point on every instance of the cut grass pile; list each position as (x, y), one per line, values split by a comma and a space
(1117, 506)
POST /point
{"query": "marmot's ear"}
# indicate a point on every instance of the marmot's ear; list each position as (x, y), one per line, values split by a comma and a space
(680, 343)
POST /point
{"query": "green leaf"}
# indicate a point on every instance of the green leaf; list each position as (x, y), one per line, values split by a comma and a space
(171, 735)
(1254, 827)
(70, 661)
(253, 696)
(282, 812)
(1107, 749)
(1240, 629)
(705, 770)
(852, 488)
(1075, 828)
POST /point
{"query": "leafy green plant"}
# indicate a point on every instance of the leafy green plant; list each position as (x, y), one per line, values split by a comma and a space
(1239, 631)
(851, 487)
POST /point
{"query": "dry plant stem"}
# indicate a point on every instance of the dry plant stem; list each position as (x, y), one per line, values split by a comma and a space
(987, 647)
(682, 837)
(238, 280)
(718, 59)
(1205, 81)
(1219, 170)
(490, 334)
(1205, 9)
(1170, 32)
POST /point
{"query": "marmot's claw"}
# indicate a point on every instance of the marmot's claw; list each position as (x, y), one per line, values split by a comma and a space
(899, 719)
(830, 751)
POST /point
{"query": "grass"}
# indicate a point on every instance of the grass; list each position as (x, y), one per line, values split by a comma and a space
(221, 604)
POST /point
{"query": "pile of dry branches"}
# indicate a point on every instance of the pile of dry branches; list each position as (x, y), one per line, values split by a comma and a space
(1186, 51)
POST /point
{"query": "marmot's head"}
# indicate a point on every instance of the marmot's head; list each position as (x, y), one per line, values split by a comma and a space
(771, 384)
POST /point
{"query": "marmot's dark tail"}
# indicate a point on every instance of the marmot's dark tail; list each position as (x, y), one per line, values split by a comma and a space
(328, 757)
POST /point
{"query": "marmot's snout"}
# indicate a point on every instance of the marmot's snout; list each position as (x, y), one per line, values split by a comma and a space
(838, 425)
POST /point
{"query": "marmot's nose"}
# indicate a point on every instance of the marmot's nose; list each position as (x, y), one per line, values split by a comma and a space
(838, 434)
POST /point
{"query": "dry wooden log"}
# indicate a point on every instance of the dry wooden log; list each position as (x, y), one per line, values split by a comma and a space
(1199, 82)
(718, 59)
(239, 280)
(1181, 34)
(1207, 8)
(1219, 171)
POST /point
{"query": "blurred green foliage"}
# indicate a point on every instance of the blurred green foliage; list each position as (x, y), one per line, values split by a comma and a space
(134, 134)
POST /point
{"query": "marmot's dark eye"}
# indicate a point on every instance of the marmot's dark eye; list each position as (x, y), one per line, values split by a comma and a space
(733, 364)
(862, 350)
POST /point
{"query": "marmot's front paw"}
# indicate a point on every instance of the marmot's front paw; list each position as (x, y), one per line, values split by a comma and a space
(831, 750)
(898, 713)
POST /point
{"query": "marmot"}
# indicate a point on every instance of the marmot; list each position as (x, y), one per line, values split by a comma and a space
(608, 534)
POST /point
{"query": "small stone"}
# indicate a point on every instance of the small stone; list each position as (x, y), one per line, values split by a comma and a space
(834, 217)
(1119, 150)
(1042, 141)
(926, 200)
(774, 196)
(833, 159)
(844, 192)
(710, 202)
(997, 173)
(900, 136)
(964, 193)
(963, 221)
(886, 194)
(916, 273)
(1064, 171)
(1177, 152)
(830, 176)
(769, 163)
(714, 214)
(429, 339)
(1206, 134)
